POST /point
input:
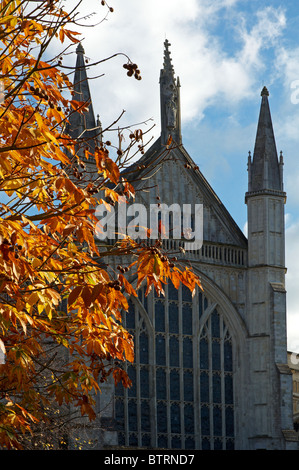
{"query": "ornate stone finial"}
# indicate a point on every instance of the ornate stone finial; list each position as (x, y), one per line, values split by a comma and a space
(170, 99)
(80, 49)
(265, 92)
(168, 67)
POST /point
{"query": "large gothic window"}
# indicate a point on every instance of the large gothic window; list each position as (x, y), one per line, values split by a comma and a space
(182, 378)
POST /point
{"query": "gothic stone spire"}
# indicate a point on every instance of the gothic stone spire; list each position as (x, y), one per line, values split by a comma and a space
(82, 125)
(170, 100)
(264, 170)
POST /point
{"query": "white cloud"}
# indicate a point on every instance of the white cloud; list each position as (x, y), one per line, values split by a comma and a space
(265, 32)
(288, 65)
(206, 70)
(212, 73)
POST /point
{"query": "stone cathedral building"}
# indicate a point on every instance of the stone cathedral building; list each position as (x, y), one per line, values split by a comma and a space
(210, 372)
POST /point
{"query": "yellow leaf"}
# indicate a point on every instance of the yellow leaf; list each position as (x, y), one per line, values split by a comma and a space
(40, 308)
(39, 120)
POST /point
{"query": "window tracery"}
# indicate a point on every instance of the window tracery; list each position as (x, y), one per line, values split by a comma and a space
(182, 393)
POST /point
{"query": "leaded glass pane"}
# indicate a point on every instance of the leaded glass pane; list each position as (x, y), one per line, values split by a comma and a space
(175, 418)
(159, 316)
(204, 353)
(176, 443)
(132, 411)
(187, 353)
(215, 320)
(204, 387)
(119, 414)
(188, 386)
(216, 355)
(161, 417)
(145, 416)
(174, 351)
(173, 314)
(172, 292)
(228, 356)
(146, 440)
(189, 443)
(217, 421)
(205, 420)
(162, 442)
(160, 350)
(130, 316)
(174, 385)
(161, 384)
(119, 389)
(143, 348)
(133, 440)
(228, 384)
(187, 319)
(216, 388)
(218, 444)
(144, 383)
(206, 444)
(189, 419)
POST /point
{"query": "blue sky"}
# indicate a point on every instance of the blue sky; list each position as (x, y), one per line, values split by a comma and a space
(224, 52)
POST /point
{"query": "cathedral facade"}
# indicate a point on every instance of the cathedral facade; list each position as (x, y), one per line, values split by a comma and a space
(210, 371)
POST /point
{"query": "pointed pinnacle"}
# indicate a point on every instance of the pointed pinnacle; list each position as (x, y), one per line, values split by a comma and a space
(264, 92)
(80, 49)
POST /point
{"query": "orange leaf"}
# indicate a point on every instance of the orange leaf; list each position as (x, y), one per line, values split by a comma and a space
(86, 296)
(61, 34)
(74, 295)
(128, 287)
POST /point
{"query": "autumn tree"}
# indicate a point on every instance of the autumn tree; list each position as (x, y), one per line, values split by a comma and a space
(56, 357)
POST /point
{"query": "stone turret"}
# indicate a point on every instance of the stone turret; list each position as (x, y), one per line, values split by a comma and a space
(265, 171)
(83, 127)
(265, 197)
(266, 295)
(170, 100)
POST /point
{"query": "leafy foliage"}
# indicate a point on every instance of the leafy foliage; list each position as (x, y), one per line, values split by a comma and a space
(48, 253)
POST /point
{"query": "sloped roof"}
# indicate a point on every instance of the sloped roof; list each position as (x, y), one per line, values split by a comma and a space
(147, 165)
